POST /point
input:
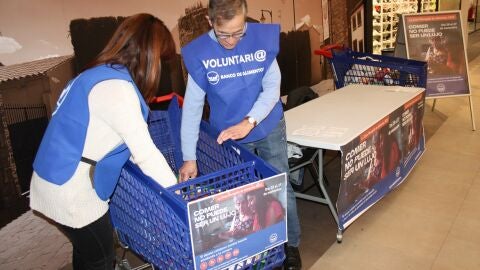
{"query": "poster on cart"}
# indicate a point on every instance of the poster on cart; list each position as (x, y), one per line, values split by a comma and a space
(437, 38)
(236, 225)
(379, 160)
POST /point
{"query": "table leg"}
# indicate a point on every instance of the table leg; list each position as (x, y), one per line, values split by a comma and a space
(326, 200)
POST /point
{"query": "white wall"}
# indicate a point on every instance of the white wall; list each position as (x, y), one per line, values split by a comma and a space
(41, 27)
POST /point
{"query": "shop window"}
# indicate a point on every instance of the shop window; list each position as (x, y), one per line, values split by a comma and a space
(359, 18)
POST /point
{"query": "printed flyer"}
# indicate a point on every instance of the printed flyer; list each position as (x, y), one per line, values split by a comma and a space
(380, 159)
(412, 128)
(437, 39)
(367, 162)
(233, 226)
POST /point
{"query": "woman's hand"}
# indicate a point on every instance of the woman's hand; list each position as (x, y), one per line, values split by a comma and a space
(188, 170)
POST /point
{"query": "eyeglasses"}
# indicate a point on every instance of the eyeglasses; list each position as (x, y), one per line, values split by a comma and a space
(238, 35)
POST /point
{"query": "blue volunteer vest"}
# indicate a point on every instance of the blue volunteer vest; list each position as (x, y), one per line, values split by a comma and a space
(62, 145)
(232, 79)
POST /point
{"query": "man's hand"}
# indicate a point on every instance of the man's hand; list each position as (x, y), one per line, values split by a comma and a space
(235, 132)
(188, 170)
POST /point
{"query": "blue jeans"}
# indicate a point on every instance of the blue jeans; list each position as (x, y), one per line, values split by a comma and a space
(273, 149)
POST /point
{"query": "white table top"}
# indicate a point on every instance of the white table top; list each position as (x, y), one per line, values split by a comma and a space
(335, 119)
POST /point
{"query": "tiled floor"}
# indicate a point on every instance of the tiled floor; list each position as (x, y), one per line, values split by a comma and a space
(430, 222)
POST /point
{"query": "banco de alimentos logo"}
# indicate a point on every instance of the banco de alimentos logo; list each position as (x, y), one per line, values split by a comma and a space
(273, 238)
(441, 87)
(213, 77)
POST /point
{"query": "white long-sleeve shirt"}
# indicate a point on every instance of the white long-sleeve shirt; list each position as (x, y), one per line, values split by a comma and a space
(115, 118)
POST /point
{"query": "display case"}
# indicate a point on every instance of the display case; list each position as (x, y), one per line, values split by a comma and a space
(385, 19)
(428, 5)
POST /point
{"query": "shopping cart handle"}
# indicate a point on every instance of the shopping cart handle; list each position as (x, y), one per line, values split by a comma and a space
(327, 50)
(168, 97)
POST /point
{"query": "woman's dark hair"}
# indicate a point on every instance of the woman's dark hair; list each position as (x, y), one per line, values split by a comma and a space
(224, 10)
(139, 43)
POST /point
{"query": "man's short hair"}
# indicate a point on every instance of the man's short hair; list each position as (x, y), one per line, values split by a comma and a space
(224, 10)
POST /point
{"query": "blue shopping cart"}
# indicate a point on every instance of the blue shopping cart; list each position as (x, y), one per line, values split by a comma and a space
(153, 221)
(350, 67)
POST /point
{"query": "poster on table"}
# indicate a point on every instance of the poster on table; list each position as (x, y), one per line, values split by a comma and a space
(412, 128)
(377, 161)
(437, 38)
(236, 225)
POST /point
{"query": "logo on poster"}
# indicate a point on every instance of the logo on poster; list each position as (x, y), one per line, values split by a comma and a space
(441, 87)
(273, 237)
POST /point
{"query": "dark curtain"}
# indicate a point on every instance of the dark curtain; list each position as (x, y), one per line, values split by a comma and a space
(89, 37)
(294, 60)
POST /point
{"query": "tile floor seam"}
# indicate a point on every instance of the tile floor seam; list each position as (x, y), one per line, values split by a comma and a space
(434, 261)
(477, 175)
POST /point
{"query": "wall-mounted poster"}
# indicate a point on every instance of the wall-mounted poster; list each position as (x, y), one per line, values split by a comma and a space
(326, 26)
(437, 38)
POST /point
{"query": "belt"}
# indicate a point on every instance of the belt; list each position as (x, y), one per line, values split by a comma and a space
(88, 161)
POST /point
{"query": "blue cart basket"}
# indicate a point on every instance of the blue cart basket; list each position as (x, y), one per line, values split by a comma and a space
(153, 221)
(350, 67)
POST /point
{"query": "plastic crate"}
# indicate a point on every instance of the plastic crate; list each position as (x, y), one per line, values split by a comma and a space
(153, 221)
(351, 67)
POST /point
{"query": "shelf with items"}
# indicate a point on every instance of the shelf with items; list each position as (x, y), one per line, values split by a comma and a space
(428, 5)
(385, 21)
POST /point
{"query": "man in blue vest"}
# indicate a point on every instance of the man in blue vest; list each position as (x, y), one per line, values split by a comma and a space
(234, 66)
